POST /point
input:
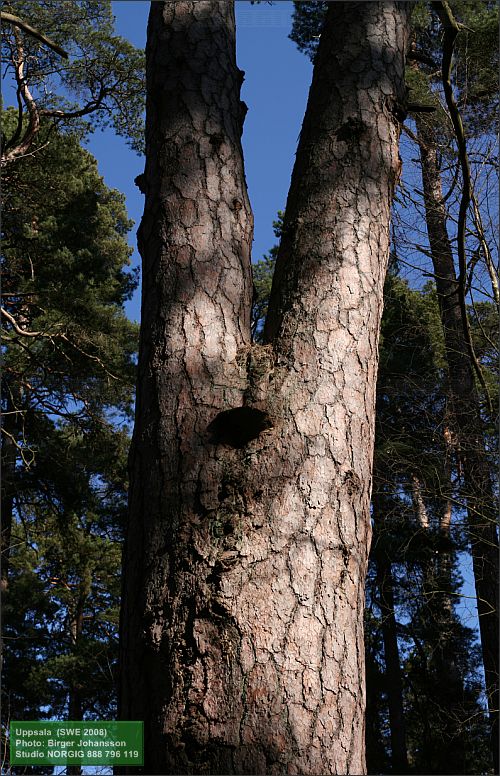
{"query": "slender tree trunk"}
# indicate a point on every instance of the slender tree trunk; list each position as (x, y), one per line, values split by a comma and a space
(75, 705)
(10, 432)
(249, 530)
(376, 755)
(7, 504)
(444, 560)
(441, 619)
(468, 427)
(419, 503)
(394, 681)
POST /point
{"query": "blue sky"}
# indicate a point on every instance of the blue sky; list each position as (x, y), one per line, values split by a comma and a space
(277, 80)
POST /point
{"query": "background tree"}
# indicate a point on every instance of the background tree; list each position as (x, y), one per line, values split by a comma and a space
(416, 549)
(69, 366)
(467, 420)
(69, 347)
(99, 83)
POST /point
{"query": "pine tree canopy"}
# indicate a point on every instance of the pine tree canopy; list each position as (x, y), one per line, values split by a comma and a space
(100, 84)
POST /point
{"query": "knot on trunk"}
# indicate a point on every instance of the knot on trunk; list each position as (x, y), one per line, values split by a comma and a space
(351, 129)
(237, 427)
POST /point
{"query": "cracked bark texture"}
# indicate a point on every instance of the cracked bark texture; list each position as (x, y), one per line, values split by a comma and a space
(477, 488)
(242, 618)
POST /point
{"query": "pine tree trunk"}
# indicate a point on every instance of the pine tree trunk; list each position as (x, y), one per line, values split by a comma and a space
(242, 620)
(468, 427)
(180, 645)
(419, 504)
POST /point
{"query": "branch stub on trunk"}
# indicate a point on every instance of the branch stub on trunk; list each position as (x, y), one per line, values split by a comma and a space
(237, 427)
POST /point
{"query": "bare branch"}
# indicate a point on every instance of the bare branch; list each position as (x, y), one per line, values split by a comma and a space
(90, 107)
(34, 116)
(16, 326)
(418, 56)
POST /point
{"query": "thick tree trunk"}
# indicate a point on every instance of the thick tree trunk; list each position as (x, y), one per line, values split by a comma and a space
(180, 646)
(468, 427)
(242, 620)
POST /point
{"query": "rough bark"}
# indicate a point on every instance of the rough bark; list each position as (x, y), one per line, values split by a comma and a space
(249, 530)
(467, 424)
(178, 643)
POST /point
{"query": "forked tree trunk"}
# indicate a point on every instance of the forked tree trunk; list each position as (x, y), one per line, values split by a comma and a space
(242, 620)
(468, 427)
